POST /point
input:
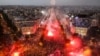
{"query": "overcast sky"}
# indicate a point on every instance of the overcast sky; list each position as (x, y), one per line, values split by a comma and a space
(47, 2)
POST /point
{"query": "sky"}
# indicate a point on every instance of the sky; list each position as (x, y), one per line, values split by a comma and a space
(47, 2)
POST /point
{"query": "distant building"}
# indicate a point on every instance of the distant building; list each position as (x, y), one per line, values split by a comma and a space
(94, 22)
(81, 30)
(27, 30)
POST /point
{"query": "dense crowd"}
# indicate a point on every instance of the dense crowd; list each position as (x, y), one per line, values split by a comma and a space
(33, 45)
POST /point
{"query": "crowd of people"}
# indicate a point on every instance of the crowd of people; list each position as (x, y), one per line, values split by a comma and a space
(33, 44)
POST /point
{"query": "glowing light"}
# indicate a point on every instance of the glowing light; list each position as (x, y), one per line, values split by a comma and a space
(75, 54)
(81, 55)
(28, 33)
(50, 34)
(76, 42)
(40, 43)
(16, 54)
(44, 12)
(72, 42)
(87, 51)
(71, 53)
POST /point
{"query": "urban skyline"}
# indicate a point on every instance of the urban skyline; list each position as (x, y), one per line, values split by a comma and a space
(47, 2)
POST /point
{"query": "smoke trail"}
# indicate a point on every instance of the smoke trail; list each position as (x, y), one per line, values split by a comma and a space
(53, 2)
